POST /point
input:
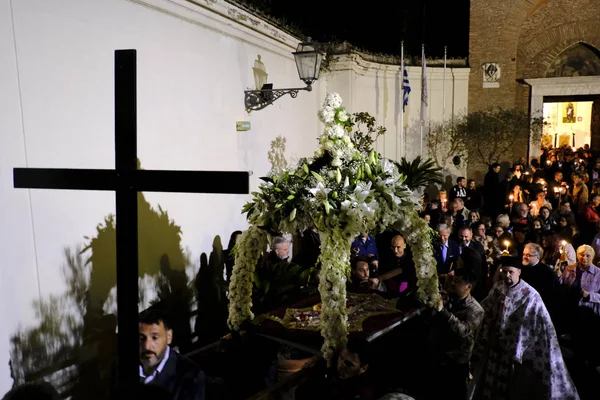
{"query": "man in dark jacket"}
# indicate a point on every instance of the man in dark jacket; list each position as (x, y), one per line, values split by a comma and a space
(455, 323)
(446, 252)
(544, 280)
(492, 197)
(164, 367)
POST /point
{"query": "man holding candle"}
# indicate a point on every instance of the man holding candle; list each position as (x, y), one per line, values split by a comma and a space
(517, 354)
(558, 190)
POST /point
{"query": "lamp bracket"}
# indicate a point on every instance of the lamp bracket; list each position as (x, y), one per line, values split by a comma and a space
(259, 99)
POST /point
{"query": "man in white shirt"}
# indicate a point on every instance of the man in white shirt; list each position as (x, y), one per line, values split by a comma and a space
(164, 367)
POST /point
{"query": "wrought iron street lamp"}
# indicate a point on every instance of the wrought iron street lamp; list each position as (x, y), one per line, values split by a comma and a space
(308, 58)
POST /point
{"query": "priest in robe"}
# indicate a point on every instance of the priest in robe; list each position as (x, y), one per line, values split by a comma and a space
(517, 355)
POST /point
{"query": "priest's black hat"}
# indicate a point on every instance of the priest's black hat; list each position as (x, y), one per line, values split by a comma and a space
(510, 261)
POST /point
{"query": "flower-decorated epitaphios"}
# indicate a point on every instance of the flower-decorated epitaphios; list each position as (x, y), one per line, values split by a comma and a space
(344, 189)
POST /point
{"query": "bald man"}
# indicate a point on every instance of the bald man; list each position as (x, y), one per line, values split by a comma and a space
(406, 282)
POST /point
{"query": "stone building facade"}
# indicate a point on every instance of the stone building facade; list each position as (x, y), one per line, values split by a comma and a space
(525, 39)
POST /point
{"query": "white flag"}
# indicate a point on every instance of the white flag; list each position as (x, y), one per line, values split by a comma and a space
(424, 97)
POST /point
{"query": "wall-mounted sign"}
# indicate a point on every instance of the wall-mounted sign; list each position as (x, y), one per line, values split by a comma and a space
(491, 75)
(242, 125)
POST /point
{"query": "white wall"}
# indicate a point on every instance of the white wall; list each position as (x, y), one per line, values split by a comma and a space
(376, 88)
(57, 111)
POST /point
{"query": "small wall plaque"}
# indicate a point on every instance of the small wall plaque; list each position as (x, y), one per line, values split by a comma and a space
(242, 125)
(491, 75)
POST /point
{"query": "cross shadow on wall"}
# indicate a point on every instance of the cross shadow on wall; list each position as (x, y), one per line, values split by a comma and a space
(73, 344)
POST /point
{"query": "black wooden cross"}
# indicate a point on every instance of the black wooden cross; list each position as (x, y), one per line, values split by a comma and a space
(126, 181)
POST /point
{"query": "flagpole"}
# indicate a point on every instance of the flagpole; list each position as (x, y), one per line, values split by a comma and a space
(401, 139)
(444, 89)
(423, 88)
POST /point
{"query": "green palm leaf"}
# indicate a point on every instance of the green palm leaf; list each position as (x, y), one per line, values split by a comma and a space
(420, 173)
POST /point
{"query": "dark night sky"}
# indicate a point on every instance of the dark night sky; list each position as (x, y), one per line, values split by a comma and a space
(378, 25)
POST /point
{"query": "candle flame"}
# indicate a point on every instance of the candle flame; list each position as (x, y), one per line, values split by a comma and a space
(506, 243)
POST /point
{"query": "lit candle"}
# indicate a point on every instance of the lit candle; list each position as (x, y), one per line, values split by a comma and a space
(511, 197)
(548, 162)
(506, 243)
(563, 244)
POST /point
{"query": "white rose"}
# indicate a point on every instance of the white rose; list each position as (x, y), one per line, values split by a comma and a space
(326, 116)
(333, 100)
(337, 131)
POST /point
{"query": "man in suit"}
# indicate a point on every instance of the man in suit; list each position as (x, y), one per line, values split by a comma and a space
(465, 236)
(446, 252)
(164, 367)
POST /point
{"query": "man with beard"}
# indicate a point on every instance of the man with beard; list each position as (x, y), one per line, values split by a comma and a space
(162, 366)
(543, 279)
(517, 354)
(455, 325)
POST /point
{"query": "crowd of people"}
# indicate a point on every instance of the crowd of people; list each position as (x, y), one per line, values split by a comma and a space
(531, 239)
(515, 260)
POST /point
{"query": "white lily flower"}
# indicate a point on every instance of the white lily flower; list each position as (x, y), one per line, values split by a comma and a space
(319, 192)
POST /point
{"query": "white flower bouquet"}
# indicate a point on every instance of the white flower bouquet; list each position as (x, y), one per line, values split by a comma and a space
(344, 189)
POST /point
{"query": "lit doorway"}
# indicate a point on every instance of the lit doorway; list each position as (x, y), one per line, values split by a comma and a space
(568, 121)
(578, 89)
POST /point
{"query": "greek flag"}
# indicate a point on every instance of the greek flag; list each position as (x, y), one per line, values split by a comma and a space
(406, 87)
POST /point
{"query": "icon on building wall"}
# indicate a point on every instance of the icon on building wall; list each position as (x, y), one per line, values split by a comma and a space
(491, 75)
(569, 113)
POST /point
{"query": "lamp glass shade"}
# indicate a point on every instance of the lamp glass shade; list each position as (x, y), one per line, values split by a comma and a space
(308, 61)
